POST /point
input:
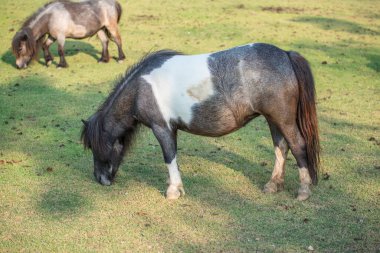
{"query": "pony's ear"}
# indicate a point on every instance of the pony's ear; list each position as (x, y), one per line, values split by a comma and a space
(24, 36)
(85, 123)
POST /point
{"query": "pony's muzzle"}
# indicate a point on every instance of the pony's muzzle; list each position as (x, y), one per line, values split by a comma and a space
(21, 65)
(103, 179)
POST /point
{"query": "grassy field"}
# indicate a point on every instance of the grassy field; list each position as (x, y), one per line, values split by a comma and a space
(49, 201)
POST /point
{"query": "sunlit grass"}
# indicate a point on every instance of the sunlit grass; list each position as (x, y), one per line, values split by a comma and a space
(49, 201)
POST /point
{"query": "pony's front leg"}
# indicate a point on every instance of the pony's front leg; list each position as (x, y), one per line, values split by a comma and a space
(45, 47)
(281, 148)
(61, 52)
(168, 142)
(175, 189)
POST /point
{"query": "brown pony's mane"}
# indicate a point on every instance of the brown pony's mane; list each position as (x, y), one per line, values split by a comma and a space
(32, 46)
(24, 35)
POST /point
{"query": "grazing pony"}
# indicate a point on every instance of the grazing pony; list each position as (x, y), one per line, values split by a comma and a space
(211, 95)
(62, 19)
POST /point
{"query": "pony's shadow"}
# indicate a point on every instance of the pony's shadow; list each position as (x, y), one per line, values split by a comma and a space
(256, 170)
(9, 58)
(71, 48)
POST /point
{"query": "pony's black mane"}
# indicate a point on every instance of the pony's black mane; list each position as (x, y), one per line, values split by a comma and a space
(32, 17)
(92, 132)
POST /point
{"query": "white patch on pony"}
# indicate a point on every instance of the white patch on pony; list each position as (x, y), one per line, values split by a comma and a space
(279, 165)
(179, 84)
(174, 175)
(304, 176)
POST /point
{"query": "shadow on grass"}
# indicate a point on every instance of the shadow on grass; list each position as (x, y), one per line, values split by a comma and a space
(34, 122)
(337, 25)
(60, 203)
(72, 47)
(141, 165)
(348, 54)
(374, 62)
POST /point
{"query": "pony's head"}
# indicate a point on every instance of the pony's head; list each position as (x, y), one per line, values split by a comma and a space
(24, 47)
(107, 150)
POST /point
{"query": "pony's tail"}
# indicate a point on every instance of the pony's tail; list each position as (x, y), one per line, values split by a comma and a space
(119, 10)
(306, 112)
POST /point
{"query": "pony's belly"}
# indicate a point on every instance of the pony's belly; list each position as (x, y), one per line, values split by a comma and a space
(79, 32)
(209, 121)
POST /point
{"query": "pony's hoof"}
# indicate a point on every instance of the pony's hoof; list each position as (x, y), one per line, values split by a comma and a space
(174, 192)
(48, 63)
(103, 61)
(303, 193)
(272, 187)
(120, 61)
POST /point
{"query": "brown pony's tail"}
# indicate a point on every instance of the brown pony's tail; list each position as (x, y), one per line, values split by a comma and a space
(306, 112)
(119, 10)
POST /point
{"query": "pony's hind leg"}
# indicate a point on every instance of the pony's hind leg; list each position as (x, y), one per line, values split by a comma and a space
(115, 36)
(298, 147)
(61, 52)
(104, 39)
(45, 47)
(168, 142)
(276, 183)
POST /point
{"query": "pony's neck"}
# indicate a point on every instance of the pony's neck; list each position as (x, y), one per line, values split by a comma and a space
(39, 25)
(120, 113)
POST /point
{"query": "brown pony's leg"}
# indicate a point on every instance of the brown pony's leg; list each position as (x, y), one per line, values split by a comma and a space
(276, 183)
(115, 36)
(61, 52)
(45, 48)
(104, 39)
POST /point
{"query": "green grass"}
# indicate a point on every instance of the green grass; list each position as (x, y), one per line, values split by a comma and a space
(50, 202)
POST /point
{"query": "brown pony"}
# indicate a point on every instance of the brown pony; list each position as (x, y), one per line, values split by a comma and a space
(62, 19)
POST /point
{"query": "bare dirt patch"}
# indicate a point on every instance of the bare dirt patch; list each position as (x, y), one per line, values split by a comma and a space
(279, 9)
(144, 17)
